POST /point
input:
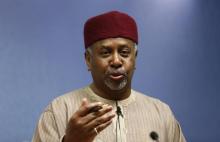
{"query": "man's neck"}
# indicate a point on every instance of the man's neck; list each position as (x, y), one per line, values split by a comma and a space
(111, 94)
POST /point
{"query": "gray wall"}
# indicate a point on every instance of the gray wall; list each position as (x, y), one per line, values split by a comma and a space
(41, 57)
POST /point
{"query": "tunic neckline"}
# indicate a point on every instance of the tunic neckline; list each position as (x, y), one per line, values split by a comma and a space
(94, 97)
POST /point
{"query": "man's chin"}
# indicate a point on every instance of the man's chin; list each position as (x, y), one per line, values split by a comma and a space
(116, 86)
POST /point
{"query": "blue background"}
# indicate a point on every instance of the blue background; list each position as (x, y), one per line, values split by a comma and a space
(41, 57)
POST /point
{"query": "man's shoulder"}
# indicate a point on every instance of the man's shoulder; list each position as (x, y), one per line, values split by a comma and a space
(75, 94)
(71, 98)
(150, 101)
(145, 97)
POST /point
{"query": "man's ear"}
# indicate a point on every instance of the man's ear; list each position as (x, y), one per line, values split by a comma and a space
(88, 59)
(136, 53)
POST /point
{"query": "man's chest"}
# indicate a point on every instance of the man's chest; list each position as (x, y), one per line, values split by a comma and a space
(134, 126)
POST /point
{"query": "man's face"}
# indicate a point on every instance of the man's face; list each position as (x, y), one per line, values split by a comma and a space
(112, 63)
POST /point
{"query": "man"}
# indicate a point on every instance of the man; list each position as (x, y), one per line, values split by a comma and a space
(108, 110)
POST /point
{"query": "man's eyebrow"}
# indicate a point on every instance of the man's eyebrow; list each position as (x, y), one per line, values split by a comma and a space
(104, 47)
(125, 46)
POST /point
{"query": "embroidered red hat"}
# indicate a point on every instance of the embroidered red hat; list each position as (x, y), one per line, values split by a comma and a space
(110, 25)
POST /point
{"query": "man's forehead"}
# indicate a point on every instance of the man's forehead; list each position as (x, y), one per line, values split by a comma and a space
(119, 41)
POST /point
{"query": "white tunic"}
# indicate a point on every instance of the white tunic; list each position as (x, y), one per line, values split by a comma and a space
(142, 115)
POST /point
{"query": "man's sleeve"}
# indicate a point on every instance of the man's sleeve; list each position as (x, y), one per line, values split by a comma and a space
(46, 130)
(175, 133)
(178, 134)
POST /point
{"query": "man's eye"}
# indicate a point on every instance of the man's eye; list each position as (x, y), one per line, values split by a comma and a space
(104, 53)
(125, 53)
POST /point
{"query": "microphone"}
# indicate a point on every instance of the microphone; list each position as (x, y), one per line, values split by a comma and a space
(118, 127)
(154, 136)
(119, 112)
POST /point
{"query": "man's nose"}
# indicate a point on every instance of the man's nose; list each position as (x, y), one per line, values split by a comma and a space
(116, 61)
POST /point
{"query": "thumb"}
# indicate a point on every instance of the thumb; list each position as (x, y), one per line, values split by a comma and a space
(84, 102)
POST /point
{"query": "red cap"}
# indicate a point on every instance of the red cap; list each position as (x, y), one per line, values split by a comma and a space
(110, 25)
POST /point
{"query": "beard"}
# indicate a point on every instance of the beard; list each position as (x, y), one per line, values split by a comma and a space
(116, 85)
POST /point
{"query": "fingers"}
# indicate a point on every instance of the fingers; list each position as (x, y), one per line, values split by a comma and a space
(95, 131)
(103, 126)
(100, 120)
(91, 116)
(84, 102)
(86, 107)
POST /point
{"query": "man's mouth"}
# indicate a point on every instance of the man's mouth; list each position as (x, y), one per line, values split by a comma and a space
(116, 76)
